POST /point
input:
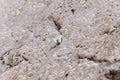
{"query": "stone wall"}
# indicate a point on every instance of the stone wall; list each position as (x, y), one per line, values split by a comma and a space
(59, 40)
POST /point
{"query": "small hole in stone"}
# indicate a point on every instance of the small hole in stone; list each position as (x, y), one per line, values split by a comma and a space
(65, 11)
(73, 11)
(31, 31)
(96, 53)
(99, 72)
(85, 7)
(115, 59)
(44, 39)
(3, 62)
(113, 75)
(16, 41)
(77, 46)
(80, 56)
(58, 56)
(110, 15)
(66, 75)
(106, 32)
(91, 58)
(30, 75)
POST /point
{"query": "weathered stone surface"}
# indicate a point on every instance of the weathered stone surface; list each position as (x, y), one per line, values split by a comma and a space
(59, 39)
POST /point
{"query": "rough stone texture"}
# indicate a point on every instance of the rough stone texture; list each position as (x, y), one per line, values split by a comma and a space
(59, 40)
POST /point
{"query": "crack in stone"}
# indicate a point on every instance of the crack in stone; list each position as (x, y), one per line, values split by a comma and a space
(93, 59)
(57, 24)
(24, 58)
(55, 46)
(114, 28)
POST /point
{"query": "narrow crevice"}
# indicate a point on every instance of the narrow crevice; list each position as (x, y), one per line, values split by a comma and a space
(92, 58)
(57, 24)
(114, 28)
(20, 46)
(110, 32)
(24, 58)
(10, 66)
(66, 75)
(55, 46)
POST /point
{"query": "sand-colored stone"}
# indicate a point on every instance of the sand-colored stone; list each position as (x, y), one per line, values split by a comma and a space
(59, 40)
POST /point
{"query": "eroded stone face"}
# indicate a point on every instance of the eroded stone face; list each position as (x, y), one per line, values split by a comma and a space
(64, 39)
